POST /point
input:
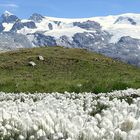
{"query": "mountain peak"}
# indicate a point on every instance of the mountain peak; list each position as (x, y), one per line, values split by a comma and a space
(8, 17)
(7, 13)
(36, 17)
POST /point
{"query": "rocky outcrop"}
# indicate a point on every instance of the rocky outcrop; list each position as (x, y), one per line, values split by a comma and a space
(8, 18)
(125, 20)
(36, 17)
(88, 25)
(19, 25)
(12, 41)
(41, 40)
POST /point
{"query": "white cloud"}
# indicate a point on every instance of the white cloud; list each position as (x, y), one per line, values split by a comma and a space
(10, 5)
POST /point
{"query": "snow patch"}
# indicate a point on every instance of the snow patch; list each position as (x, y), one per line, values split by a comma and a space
(7, 26)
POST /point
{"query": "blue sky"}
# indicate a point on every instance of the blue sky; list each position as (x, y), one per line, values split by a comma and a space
(70, 8)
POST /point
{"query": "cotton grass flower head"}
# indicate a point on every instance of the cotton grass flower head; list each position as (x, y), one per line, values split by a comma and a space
(70, 116)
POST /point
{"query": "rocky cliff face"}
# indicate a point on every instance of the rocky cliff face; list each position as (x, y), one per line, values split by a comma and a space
(12, 41)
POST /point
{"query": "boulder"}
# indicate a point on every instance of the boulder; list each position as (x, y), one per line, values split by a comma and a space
(40, 58)
(31, 63)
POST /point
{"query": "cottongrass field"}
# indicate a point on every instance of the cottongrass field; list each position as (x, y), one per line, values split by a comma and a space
(70, 116)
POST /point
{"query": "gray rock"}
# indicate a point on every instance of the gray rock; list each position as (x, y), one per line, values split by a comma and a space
(36, 17)
(1, 27)
(42, 40)
(19, 25)
(122, 19)
(88, 25)
(50, 26)
(66, 42)
(127, 49)
(30, 24)
(12, 41)
(57, 22)
(91, 41)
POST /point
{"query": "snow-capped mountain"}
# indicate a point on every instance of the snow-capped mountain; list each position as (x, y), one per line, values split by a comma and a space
(8, 17)
(115, 36)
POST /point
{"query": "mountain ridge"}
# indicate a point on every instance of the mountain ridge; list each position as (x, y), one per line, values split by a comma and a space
(99, 34)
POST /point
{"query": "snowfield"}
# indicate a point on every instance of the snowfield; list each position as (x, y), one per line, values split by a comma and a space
(70, 116)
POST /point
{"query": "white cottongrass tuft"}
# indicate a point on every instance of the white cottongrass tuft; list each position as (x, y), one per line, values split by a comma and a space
(70, 116)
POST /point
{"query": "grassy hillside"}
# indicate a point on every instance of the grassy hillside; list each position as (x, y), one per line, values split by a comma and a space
(64, 70)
